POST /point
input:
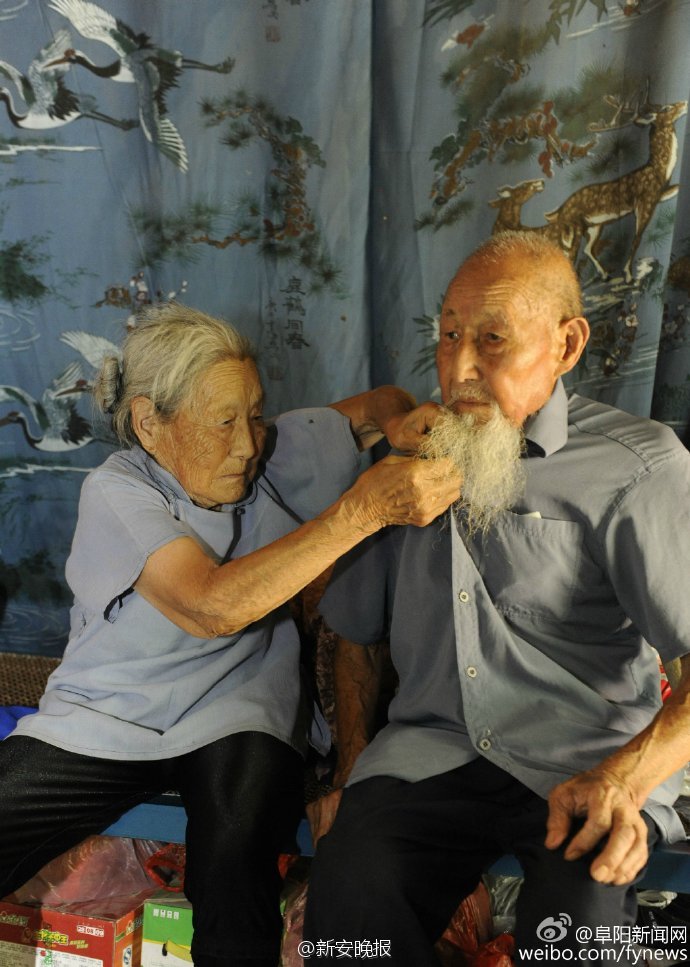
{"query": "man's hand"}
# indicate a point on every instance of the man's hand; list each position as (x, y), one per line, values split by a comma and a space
(321, 814)
(609, 809)
(405, 431)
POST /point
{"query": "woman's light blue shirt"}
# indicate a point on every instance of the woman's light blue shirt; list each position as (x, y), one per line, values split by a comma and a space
(132, 685)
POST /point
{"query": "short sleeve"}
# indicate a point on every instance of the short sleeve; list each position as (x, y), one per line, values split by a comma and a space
(356, 602)
(647, 542)
(122, 520)
(315, 459)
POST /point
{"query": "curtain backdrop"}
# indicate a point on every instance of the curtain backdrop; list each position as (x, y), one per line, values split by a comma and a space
(314, 171)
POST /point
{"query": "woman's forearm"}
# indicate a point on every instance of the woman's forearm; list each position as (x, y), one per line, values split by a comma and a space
(370, 413)
(243, 591)
(209, 600)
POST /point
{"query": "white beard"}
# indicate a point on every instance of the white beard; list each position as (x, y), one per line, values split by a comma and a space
(488, 455)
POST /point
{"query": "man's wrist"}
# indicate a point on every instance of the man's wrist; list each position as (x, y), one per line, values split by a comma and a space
(613, 773)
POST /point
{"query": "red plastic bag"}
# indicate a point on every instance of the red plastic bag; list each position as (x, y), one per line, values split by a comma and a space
(469, 928)
(100, 867)
(496, 953)
(166, 867)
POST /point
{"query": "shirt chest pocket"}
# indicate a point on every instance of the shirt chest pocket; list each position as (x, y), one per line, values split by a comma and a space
(531, 566)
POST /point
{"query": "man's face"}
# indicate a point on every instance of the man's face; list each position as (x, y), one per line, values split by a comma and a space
(499, 340)
(213, 444)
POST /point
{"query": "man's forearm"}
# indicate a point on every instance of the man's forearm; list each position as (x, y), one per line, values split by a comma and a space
(660, 749)
(357, 679)
(611, 795)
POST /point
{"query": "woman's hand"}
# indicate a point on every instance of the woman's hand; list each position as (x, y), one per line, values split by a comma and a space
(388, 411)
(403, 490)
(405, 431)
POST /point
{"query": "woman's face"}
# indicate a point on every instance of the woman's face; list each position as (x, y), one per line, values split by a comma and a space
(213, 444)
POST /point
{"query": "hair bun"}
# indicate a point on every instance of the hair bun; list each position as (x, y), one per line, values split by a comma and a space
(108, 384)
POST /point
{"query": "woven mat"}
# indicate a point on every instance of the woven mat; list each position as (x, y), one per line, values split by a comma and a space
(23, 677)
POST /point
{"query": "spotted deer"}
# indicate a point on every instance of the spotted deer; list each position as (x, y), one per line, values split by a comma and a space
(588, 209)
(509, 203)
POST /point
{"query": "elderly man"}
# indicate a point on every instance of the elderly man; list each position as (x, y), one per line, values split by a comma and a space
(521, 627)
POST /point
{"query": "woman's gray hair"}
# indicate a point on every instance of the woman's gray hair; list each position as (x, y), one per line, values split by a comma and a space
(163, 358)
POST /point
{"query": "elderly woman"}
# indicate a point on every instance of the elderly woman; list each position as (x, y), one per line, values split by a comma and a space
(182, 665)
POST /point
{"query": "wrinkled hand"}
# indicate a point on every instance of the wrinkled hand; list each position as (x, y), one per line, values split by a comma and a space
(405, 431)
(404, 490)
(610, 810)
(321, 814)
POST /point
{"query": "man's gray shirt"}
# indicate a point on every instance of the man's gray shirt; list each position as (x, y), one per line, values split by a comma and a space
(532, 645)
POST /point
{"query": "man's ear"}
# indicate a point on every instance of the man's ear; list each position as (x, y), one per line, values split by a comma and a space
(145, 422)
(572, 339)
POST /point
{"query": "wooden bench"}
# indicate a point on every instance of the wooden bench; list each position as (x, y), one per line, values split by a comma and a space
(22, 680)
(164, 818)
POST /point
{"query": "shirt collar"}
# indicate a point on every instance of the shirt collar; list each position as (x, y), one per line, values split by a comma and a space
(163, 480)
(546, 431)
(173, 488)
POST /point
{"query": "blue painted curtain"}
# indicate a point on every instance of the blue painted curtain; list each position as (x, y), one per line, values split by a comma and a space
(314, 170)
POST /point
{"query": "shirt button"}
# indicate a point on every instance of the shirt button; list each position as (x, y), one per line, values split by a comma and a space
(471, 672)
(464, 597)
(485, 745)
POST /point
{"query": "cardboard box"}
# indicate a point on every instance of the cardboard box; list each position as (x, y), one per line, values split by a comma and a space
(167, 931)
(76, 935)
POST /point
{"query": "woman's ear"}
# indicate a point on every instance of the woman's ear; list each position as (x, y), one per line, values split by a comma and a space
(145, 422)
(573, 335)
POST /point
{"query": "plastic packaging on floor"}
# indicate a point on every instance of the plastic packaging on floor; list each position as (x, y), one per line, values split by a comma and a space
(166, 867)
(496, 953)
(503, 894)
(465, 943)
(470, 927)
(99, 868)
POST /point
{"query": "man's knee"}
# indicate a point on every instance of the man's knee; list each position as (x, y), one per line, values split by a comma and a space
(350, 870)
(554, 887)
